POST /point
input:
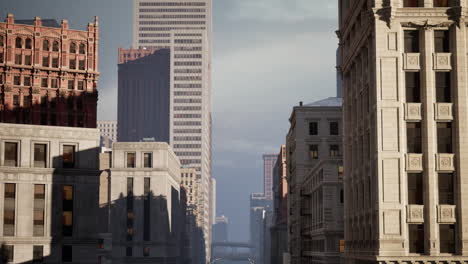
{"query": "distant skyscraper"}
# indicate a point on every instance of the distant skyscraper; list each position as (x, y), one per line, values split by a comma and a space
(259, 206)
(184, 27)
(108, 131)
(269, 161)
(220, 229)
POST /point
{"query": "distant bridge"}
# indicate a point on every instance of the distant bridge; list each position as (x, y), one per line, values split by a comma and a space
(231, 251)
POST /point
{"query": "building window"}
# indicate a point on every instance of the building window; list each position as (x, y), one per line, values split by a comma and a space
(45, 61)
(340, 171)
(313, 128)
(313, 152)
(412, 3)
(447, 238)
(82, 48)
(415, 188)
(443, 87)
(128, 252)
(54, 83)
(335, 151)
(413, 88)
(444, 137)
(18, 43)
(416, 238)
(71, 84)
(16, 100)
(28, 44)
(11, 154)
(39, 202)
(8, 253)
(146, 252)
(81, 85)
(147, 210)
(55, 62)
(67, 211)
(446, 189)
(411, 41)
(2, 41)
(147, 160)
(17, 80)
(44, 82)
(40, 155)
(27, 100)
(69, 156)
(72, 47)
(45, 45)
(130, 214)
(9, 209)
(81, 65)
(18, 59)
(334, 129)
(1, 57)
(28, 60)
(72, 64)
(67, 253)
(27, 81)
(131, 160)
(38, 254)
(414, 137)
(55, 46)
(441, 40)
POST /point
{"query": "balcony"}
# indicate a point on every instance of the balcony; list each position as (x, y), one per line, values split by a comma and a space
(415, 213)
(445, 162)
(442, 61)
(413, 112)
(446, 214)
(414, 162)
(411, 62)
(443, 111)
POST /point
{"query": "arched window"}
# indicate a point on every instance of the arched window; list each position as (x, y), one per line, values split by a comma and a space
(28, 43)
(72, 47)
(19, 43)
(45, 45)
(1, 41)
(82, 48)
(55, 46)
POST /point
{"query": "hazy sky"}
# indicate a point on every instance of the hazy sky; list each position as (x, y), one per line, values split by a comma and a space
(268, 56)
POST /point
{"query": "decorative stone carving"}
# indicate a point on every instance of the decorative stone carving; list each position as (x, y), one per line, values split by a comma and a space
(415, 213)
(413, 112)
(442, 61)
(414, 162)
(446, 214)
(443, 111)
(411, 61)
(426, 24)
(445, 162)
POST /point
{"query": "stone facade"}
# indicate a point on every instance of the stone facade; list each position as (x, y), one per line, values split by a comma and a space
(49, 194)
(48, 73)
(404, 89)
(108, 130)
(313, 154)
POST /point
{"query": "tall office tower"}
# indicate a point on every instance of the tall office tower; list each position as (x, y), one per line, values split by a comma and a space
(220, 229)
(144, 95)
(108, 131)
(405, 113)
(258, 207)
(48, 73)
(313, 154)
(269, 161)
(49, 173)
(185, 27)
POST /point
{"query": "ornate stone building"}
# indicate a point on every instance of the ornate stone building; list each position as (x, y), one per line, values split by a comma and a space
(404, 65)
(48, 73)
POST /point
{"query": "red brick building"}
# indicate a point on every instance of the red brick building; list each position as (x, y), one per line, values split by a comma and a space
(48, 73)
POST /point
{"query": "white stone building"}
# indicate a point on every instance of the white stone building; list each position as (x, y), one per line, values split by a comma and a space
(108, 130)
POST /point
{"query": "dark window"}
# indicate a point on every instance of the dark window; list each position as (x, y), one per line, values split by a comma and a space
(28, 44)
(2, 41)
(334, 129)
(313, 152)
(28, 60)
(335, 151)
(130, 160)
(44, 82)
(27, 81)
(411, 41)
(72, 64)
(146, 209)
(443, 87)
(71, 84)
(68, 156)
(67, 253)
(18, 59)
(40, 155)
(446, 191)
(54, 83)
(11, 154)
(55, 46)
(18, 43)
(9, 208)
(67, 211)
(341, 196)
(8, 253)
(413, 89)
(17, 80)
(38, 254)
(147, 160)
(415, 188)
(441, 41)
(1, 57)
(444, 137)
(82, 48)
(16, 100)
(414, 137)
(81, 85)
(39, 201)
(45, 61)
(72, 48)
(55, 62)
(27, 100)
(81, 64)
(313, 128)
(45, 45)
(146, 252)
(412, 3)
(416, 238)
(44, 101)
(447, 238)
(130, 215)
(128, 252)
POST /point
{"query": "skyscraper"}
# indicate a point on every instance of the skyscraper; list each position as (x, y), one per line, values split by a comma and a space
(269, 161)
(184, 27)
(405, 112)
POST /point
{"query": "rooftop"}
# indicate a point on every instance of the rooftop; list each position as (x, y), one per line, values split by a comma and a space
(45, 22)
(328, 102)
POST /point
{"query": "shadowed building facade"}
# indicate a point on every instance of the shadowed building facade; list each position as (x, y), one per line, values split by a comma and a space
(404, 66)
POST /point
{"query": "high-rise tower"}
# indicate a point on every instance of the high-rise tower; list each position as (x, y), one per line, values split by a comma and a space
(405, 109)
